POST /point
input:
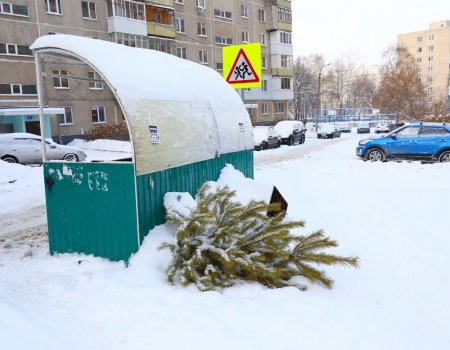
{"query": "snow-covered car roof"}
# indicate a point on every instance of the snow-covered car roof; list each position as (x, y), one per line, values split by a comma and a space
(285, 127)
(178, 111)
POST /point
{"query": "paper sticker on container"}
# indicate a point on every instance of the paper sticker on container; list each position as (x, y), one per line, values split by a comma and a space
(241, 127)
(154, 134)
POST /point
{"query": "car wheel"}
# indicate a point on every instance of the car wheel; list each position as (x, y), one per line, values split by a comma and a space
(375, 155)
(9, 159)
(264, 146)
(71, 157)
(302, 139)
(278, 144)
(332, 136)
(291, 141)
(444, 157)
(319, 136)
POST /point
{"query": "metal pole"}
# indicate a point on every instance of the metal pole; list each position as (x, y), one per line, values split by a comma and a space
(41, 104)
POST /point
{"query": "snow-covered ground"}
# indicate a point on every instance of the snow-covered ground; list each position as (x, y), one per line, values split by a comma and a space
(394, 216)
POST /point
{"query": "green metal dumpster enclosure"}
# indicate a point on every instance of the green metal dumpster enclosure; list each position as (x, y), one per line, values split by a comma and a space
(185, 123)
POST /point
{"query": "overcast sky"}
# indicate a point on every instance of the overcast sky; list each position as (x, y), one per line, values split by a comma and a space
(359, 28)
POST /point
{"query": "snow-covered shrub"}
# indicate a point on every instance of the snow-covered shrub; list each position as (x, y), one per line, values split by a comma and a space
(220, 241)
(109, 131)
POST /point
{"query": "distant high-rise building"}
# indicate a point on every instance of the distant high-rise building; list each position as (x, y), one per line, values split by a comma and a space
(196, 30)
(431, 50)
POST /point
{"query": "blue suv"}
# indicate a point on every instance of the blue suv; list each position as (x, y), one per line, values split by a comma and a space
(422, 141)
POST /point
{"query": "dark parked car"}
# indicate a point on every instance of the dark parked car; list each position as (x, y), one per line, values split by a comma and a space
(328, 131)
(422, 141)
(363, 128)
(25, 148)
(265, 138)
(291, 132)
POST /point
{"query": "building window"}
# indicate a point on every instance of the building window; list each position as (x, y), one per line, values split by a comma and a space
(88, 10)
(181, 2)
(418, 70)
(285, 83)
(66, 118)
(60, 82)
(181, 52)
(15, 50)
(279, 107)
(285, 38)
(262, 15)
(201, 4)
(244, 11)
(264, 85)
(263, 62)
(419, 39)
(430, 58)
(98, 114)
(430, 48)
(203, 56)
(284, 15)
(431, 37)
(179, 25)
(219, 65)
(419, 49)
(95, 85)
(53, 6)
(18, 89)
(430, 69)
(430, 90)
(13, 9)
(264, 108)
(223, 14)
(201, 29)
(286, 61)
(245, 36)
(128, 9)
(223, 41)
(263, 39)
(430, 79)
(419, 59)
(429, 99)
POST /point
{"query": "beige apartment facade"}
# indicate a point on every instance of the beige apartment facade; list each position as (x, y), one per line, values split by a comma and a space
(431, 50)
(192, 29)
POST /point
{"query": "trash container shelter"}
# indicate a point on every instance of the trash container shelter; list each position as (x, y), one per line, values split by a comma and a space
(185, 123)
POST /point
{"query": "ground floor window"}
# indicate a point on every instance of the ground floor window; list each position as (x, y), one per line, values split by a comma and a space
(279, 107)
(98, 114)
(66, 118)
(264, 108)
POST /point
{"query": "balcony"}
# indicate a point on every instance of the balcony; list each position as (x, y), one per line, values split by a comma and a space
(280, 19)
(281, 3)
(282, 72)
(161, 30)
(126, 25)
(169, 3)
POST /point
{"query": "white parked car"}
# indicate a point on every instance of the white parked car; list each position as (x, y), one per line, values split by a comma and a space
(381, 128)
(265, 138)
(291, 131)
(25, 148)
(344, 127)
(328, 131)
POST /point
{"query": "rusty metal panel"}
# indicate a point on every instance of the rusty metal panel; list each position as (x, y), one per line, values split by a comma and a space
(91, 209)
(188, 178)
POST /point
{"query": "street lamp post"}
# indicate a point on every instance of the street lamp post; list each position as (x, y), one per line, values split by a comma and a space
(318, 95)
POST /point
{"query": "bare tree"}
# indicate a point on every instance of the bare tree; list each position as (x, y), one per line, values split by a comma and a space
(401, 89)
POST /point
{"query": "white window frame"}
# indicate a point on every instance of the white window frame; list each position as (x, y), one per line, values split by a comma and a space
(262, 16)
(95, 85)
(60, 79)
(182, 52)
(431, 37)
(285, 83)
(244, 11)
(203, 56)
(264, 108)
(263, 62)
(430, 69)
(181, 2)
(201, 4)
(53, 3)
(279, 107)
(264, 85)
(64, 116)
(91, 16)
(419, 39)
(263, 39)
(201, 29)
(245, 36)
(221, 40)
(180, 25)
(14, 86)
(285, 38)
(286, 61)
(4, 5)
(98, 109)
(430, 90)
(228, 15)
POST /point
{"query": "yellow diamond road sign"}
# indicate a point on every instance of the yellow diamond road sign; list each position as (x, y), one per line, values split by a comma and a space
(242, 65)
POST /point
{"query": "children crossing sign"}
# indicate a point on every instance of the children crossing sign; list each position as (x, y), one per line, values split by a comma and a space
(242, 65)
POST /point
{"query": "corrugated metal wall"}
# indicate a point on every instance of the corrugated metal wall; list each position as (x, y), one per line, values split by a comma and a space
(188, 178)
(91, 209)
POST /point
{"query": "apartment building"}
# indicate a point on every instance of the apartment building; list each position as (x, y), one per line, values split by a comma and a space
(191, 29)
(431, 49)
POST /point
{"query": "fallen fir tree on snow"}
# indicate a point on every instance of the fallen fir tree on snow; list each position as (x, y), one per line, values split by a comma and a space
(220, 241)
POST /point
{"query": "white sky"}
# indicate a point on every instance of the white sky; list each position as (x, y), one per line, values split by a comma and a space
(358, 28)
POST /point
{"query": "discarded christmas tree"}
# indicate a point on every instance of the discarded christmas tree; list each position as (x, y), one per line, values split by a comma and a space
(221, 241)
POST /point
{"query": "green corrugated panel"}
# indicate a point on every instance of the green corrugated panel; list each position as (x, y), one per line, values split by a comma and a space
(91, 209)
(188, 178)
